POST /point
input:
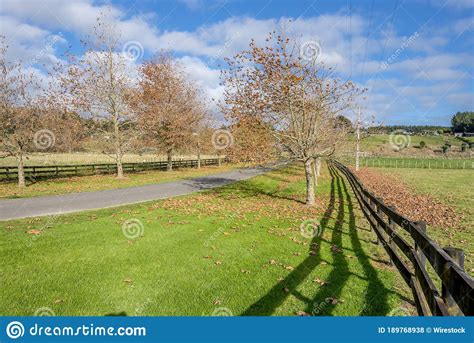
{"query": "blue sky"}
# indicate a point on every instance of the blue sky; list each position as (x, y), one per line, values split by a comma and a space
(418, 64)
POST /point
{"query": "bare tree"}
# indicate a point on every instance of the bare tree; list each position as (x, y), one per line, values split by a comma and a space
(99, 85)
(298, 99)
(18, 114)
(169, 107)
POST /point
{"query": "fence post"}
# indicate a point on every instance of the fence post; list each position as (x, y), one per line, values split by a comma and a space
(458, 256)
(422, 226)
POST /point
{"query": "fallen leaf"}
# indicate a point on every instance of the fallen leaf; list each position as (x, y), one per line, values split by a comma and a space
(34, 232)
(128, 280)
(302, 313)
(320, 282)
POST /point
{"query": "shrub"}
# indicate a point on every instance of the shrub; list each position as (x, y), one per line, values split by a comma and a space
(445, 148)
(464, 146)
(422, 144)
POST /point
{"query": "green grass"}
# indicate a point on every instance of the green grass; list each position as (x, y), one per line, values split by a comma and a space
(379, 144)
(454, 188)
(237, 247)
(101, 182)
(376, 141)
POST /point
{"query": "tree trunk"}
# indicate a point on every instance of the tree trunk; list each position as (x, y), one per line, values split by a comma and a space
(219, 160)
(21, 171)
(310, 199)
(119, 156)
(199, 158)
(169, 165)
(315, 173)
(318, 166)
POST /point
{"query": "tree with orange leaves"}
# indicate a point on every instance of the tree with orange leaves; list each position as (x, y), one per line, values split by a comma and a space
(295, 97)
(169, 106)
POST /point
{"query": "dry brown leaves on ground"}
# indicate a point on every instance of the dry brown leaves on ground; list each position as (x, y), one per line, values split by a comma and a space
(406, 201)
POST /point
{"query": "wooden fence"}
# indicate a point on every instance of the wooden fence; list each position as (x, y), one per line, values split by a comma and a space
(10, 173)
(423, 163)
(409, 247)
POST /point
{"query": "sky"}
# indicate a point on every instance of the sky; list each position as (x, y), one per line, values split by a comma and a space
(415, 57)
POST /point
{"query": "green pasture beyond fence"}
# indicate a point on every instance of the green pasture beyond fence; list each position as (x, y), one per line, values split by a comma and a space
(10, 173)
(412, 163)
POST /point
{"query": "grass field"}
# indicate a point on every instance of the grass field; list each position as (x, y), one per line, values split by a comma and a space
(101, 182)
(454, 188)
(379, 144)
(237, 249)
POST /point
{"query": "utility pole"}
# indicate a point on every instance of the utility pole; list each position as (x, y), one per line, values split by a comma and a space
(358, 139)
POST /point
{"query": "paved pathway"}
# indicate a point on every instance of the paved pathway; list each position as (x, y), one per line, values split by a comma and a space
(75, 202)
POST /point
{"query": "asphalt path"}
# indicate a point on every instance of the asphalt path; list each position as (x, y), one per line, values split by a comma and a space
(76, 202)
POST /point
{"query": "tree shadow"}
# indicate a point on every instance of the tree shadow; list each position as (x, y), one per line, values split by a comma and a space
(117, 314)
(266, 305)
(376, 294)
(323, 303)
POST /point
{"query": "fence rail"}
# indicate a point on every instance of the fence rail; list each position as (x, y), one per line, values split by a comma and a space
(409, 247)
(423, 163)
(10, 173)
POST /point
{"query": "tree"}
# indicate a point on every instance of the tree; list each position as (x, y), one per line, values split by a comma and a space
(463, 122)
(56, 115)
(168, 105)
(296, 99)
(252, 142)
(99, 84)
(18, 113)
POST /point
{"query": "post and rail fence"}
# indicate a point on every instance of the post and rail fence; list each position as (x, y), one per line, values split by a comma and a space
(10, 173)
(418, 163)
(409, 248)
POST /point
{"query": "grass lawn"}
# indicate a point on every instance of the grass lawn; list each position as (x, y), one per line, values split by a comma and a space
(238, 248)
(454, 188)
(379, 144)
(101, 182)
